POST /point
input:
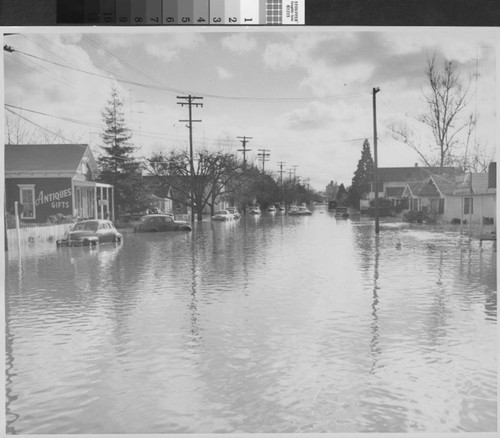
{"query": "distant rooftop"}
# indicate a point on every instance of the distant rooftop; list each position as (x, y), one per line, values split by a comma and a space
(43, 157)
(416, 173)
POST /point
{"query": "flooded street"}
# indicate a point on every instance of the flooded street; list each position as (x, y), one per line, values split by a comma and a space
(266, 324)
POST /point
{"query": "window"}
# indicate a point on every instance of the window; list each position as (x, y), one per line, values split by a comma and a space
(27, 201)
(415, 204)
(468, 205)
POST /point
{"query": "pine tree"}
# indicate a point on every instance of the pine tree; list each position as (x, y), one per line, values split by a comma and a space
(118, 165)
(363, 176)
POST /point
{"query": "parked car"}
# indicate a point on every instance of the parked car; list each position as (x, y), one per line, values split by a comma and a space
(223, 215)
(90, 233)
(255, 209)
(342, 212)
(160, 222)
(234, 211)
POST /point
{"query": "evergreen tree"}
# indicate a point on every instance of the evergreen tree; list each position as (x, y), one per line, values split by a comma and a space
(118, 165)
(342, 195)
(363, 176)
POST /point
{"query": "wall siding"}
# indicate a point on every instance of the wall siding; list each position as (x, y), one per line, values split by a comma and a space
(45, 207)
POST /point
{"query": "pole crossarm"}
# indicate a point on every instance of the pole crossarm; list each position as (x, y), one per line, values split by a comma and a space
(264, 156)
(244, 141)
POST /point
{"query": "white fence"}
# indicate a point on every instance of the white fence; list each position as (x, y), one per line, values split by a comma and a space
(42, 233)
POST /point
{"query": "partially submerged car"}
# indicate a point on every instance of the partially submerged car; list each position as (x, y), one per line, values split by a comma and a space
(234, 211)
(90, 233)
(223, 215)
(160, 222)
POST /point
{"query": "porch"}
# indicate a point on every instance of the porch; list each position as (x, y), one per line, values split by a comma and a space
(93, 200)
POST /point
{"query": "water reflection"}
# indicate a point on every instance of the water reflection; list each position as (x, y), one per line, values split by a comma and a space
(266, 324)
(374, 345)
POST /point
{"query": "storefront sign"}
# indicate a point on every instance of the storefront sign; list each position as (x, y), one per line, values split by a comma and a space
(54, 198)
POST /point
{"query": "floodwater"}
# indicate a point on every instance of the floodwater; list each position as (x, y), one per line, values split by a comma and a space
(268, 324)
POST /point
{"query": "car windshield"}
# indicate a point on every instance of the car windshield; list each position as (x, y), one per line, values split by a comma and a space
(222, 212)
(86, 226)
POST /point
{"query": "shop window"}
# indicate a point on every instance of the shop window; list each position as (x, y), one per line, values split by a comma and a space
(27, 201)
(468, 205)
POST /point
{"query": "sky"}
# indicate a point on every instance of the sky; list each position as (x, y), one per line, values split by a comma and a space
(303, 94)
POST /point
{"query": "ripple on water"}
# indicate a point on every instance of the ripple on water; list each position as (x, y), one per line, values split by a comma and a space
(275, 324)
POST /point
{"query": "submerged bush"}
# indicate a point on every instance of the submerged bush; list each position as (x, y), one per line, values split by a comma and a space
(416, 216)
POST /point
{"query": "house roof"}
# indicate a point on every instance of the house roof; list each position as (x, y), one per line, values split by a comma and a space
(159, 186)
(477, 183)
(430, 190)
(46, 157)
(445, 184)
(408, 174)
(415, 187)
(395, 192)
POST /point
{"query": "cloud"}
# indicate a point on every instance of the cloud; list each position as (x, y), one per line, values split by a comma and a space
(168, 47)
(461, 45)
(323, 79)
(318, 115)
(224, 73)
(239, 43)
(280, 56)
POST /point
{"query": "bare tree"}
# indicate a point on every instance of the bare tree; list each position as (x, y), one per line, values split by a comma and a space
(446, 100)
(212, 178)
(17, 130)
(20, 130)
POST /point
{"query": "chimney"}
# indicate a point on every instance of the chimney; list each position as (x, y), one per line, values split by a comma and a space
(492, 175)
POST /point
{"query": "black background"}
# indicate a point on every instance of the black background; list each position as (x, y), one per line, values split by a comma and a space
(317, 12)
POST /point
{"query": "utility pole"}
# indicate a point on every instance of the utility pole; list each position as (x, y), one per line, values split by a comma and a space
(244, 150)
(375, 160)
(264, 156)
(294, 172)
(281, 172)
(190, 101)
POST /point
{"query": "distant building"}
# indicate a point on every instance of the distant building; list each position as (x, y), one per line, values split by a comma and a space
(51, 179)
(448, 193)
(331, 191)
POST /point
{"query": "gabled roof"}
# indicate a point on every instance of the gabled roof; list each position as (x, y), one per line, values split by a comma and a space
(414, 188)
(444, 184)
(409, 174)
(430, 190)
(47, 158)
(159, 186)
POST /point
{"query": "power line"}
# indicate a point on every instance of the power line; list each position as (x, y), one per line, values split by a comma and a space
(178, 91)
(123, 62)
(39, 126)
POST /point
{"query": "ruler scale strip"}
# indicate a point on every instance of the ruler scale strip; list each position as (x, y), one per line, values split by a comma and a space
(181, 12)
